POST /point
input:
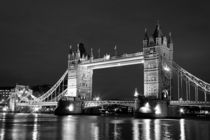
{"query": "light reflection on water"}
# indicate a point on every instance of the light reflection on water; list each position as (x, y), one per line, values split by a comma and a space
(2, 126)
(45, 126)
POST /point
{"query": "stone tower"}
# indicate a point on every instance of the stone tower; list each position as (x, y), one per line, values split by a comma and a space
(79, 77)
(158, 57)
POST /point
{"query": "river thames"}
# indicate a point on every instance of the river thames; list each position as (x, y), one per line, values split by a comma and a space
(48, 126)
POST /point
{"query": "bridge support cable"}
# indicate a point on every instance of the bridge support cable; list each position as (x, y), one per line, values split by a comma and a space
(196, 93)
(53, 89)
(59, 89)
(188, 97)
(178, 85)
(189, 90)
(200, 83)
(63, 86)
(187, 94)
(57, 98)
(205, 96)
(190, 80)
(181, 86)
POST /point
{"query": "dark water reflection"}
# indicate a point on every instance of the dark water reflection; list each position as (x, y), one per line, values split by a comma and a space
(45, 126)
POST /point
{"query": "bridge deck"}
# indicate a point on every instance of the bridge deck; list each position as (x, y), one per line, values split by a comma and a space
(38, 104)
(190, 103)
(117, 102)
(129, 59)
(89, 104)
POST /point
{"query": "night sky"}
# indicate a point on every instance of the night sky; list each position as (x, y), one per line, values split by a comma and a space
(35, 35)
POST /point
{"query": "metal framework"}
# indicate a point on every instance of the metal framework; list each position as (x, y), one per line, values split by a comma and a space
(59, 90)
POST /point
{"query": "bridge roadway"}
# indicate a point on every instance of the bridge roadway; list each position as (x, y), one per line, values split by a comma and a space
(190, 103)
(31, 104)
(108, 62)
(89, 104)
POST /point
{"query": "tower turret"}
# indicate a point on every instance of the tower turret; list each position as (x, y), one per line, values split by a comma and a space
(91, 54)
(78, 53)
(115, 50)
(157, 53)
(157, 35)
(146, 38)
(170, 41)
(170, 46)
(70, 54)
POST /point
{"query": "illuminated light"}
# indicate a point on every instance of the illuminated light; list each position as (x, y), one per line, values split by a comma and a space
(181, 110)
(157, 110)
(97, 99)
(5, 108)
(166, 68)
(206, 112)
(136, 94)
(135, 128)
(116, 131)
(71, 107)
(147, 129)
(182, 129)
(35, 133)
(95, 132)
(2, 129)
(145, 108)
(157, 129)
(36, 109)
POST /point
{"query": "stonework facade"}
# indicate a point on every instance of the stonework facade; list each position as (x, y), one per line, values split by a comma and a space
(158, 58)
(79, 77)
(158, 55)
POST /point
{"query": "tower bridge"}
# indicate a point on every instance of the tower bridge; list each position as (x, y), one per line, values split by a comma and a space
(159, 71)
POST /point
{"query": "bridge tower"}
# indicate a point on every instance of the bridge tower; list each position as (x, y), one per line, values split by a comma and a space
(79, 77)
(158, 57)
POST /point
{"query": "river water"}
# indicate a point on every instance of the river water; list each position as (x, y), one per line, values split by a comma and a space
(48, 126)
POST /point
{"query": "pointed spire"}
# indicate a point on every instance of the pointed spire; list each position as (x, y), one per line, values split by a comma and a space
(146, 37)
(158, 25)
(157, 32)
(170, 38)
(99, 53)
(115, 50)
(136, 93)
(115, 47)
(91, 52)
(70, 49)
(78, 52)
(73, 55)
(77, 47)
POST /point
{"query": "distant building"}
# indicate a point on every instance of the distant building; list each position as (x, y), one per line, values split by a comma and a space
(5, 93)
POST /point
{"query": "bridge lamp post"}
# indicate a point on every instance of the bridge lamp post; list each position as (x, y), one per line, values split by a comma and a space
(167, 69)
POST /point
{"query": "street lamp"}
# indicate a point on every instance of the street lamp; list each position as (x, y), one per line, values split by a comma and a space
(167, 69)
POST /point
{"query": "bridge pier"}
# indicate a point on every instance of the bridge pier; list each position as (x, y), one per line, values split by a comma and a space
(153, 108)
(12, 104)
(69, 106)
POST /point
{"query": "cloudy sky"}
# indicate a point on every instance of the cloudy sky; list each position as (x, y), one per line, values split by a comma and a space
(35, 35)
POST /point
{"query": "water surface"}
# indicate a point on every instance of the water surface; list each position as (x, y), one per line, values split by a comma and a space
(47, 126)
